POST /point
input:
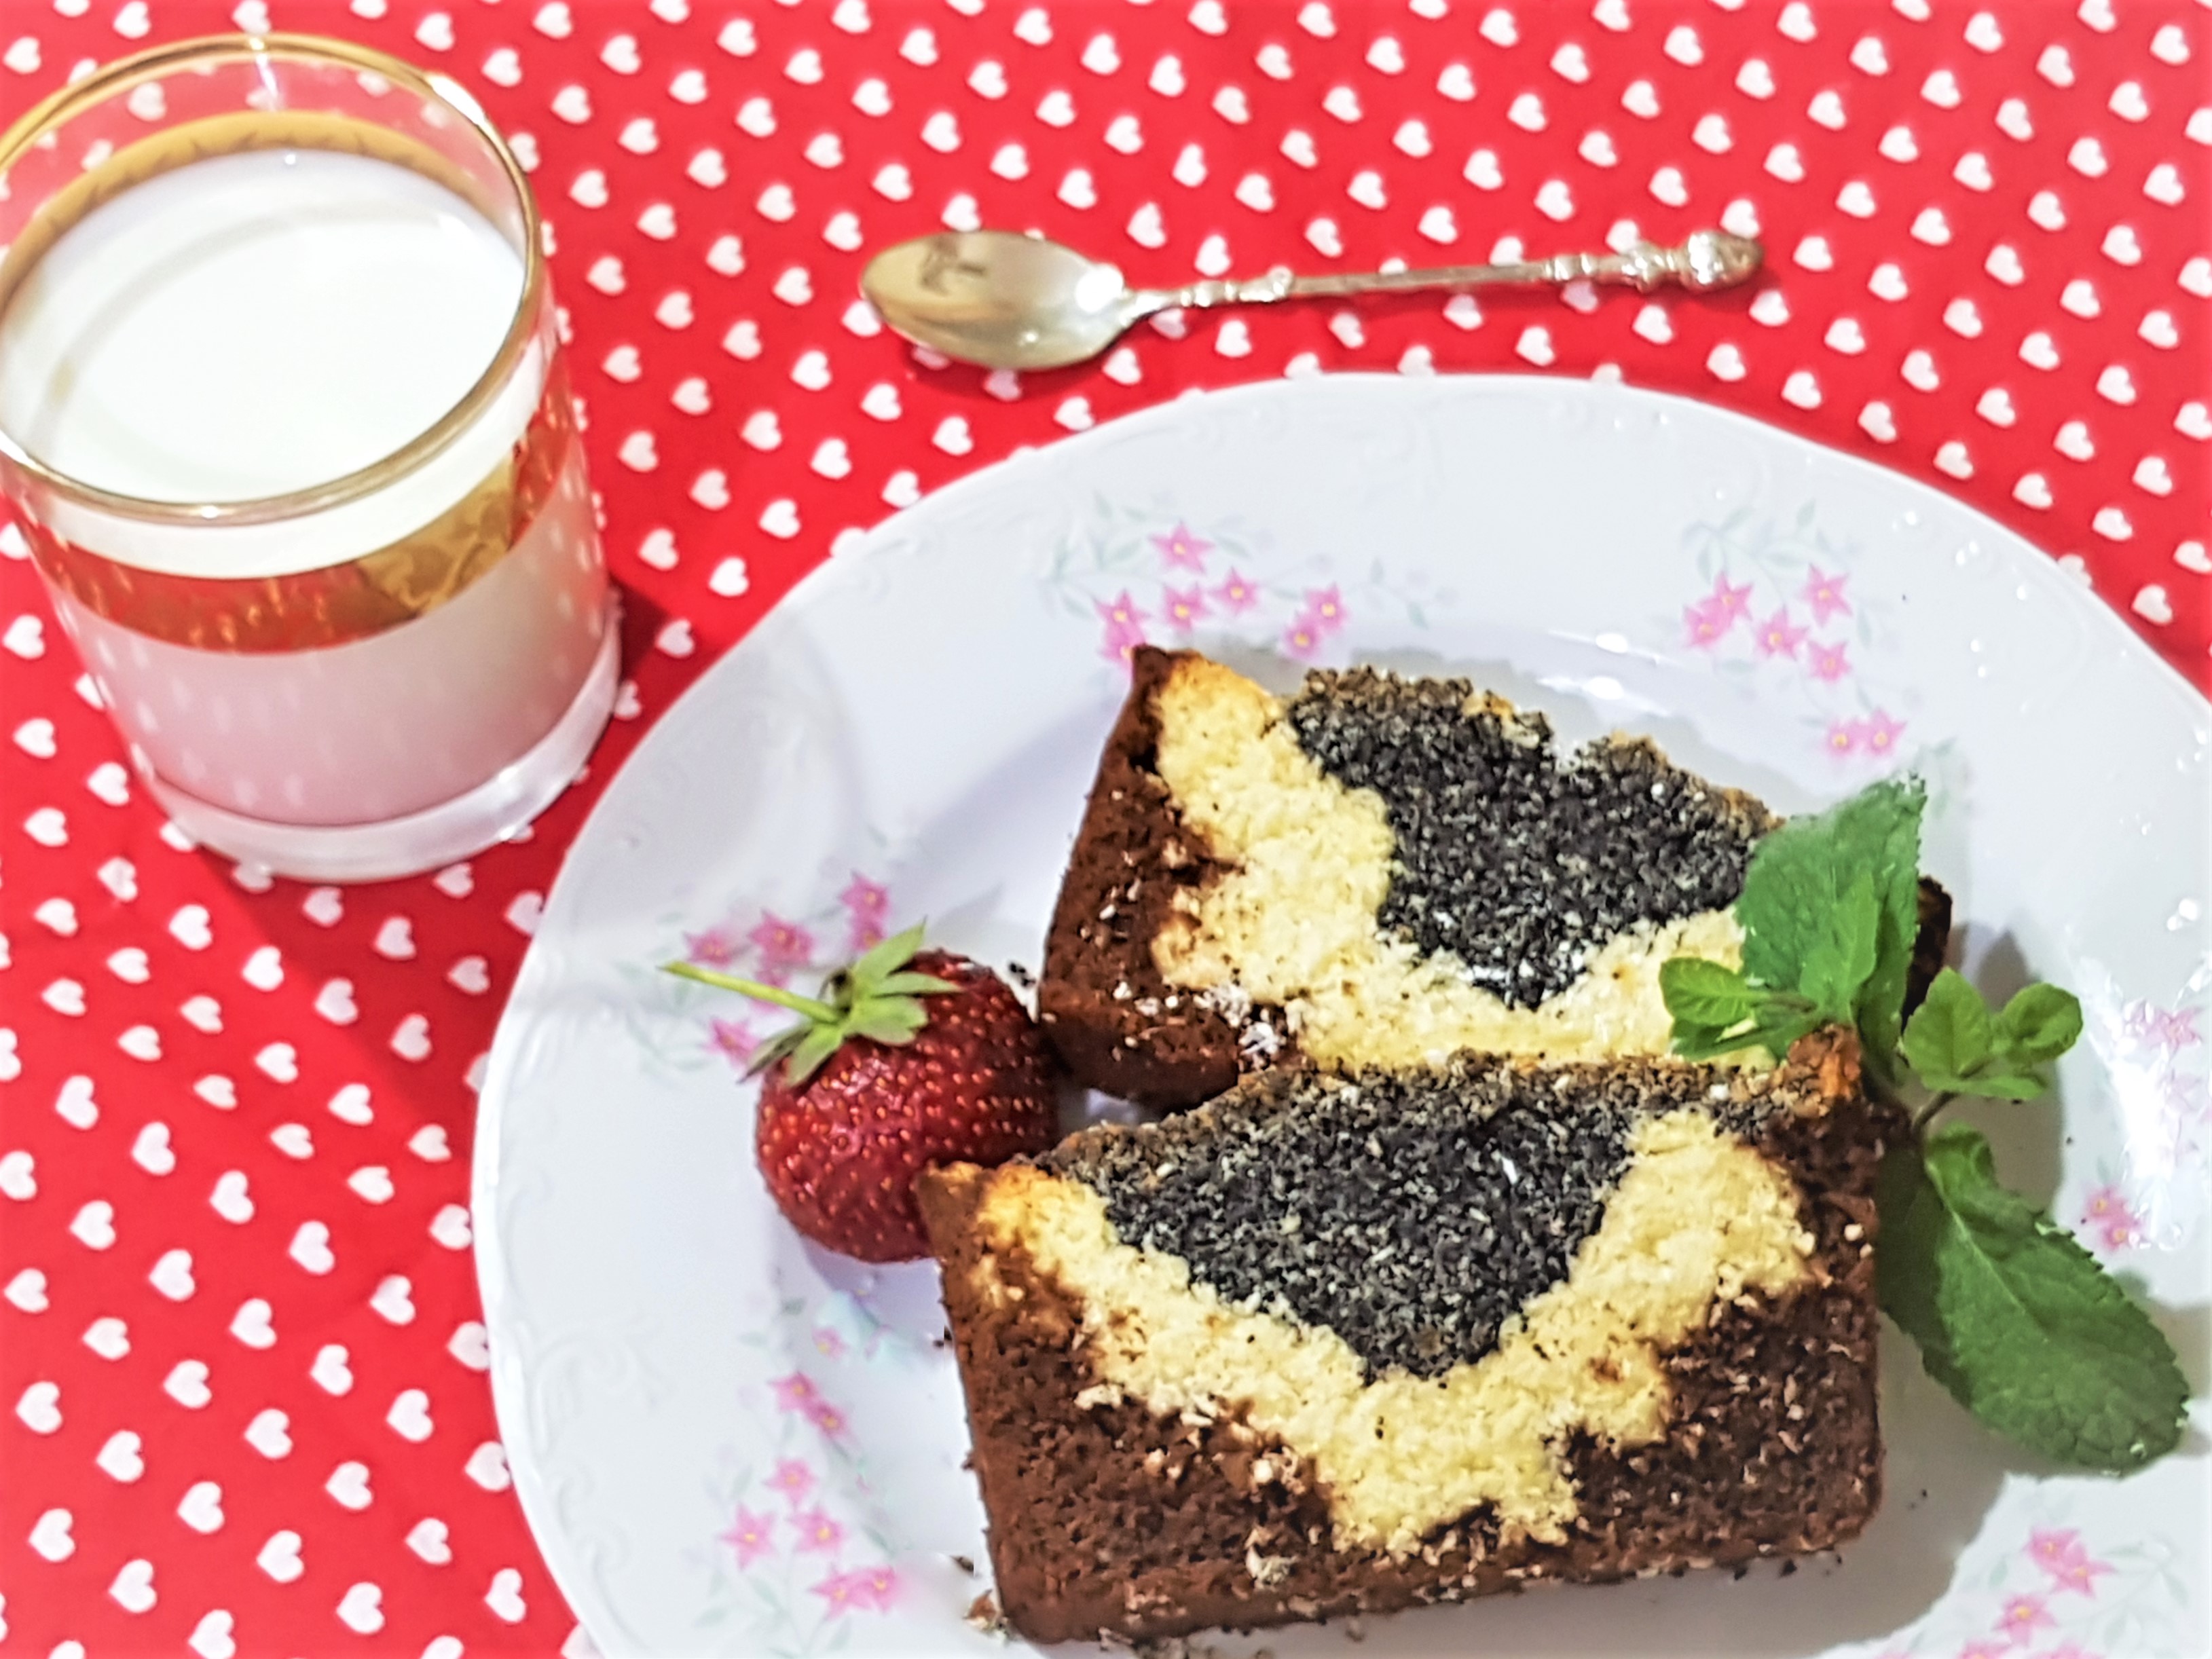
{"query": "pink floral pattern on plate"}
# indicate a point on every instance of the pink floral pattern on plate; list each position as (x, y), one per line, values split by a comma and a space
(1142, 577)
(795, 1560)
(1775, 609)
(758, 943)
(2159, 1072)
(2088, 1602)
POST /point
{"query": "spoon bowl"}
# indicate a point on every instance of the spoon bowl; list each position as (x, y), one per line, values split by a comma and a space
(1000, 298)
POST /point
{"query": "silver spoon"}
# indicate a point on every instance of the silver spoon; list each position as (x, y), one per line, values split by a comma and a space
(1001, 299)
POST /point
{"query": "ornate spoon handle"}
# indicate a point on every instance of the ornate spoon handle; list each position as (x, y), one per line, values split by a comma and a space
(1709, 259)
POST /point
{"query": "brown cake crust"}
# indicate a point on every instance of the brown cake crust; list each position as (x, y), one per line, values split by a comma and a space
(1107, 1518)
(1117, 1023)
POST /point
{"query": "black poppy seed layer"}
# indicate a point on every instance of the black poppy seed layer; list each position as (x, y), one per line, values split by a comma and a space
(1520, 861)
(1411, 1213)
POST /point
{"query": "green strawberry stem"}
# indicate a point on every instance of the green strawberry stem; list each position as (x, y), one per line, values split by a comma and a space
(810, 1006)
(875, 998)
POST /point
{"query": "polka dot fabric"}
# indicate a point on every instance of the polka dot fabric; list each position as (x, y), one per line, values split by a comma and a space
(241, 1352)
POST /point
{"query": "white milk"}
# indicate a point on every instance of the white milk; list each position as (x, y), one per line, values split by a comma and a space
(260, 323)
(252, 325)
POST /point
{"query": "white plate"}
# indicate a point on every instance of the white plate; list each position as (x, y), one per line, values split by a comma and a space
(730, 1442)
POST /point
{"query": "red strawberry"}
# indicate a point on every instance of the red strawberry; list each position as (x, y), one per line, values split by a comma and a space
(874, 1084)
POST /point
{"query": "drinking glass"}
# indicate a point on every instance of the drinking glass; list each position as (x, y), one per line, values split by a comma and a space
(285, 421)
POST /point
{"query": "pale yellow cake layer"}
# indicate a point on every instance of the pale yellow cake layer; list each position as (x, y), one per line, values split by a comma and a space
(1291, 919)
(1698, 1220)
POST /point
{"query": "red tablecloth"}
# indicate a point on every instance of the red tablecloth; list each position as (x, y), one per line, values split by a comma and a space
(240, 1355)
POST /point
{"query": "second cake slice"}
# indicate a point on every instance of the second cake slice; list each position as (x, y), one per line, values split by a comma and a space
(1379, 872)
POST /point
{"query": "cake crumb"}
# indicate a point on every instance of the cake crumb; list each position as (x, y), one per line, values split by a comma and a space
(1021, 976)
(984, 1614)
(1230, 999)
(964, 1565)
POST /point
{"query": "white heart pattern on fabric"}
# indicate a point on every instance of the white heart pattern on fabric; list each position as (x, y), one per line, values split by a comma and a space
(329, 1372)
(212, 1638)
(50, 1535)
(201, 1508)
(335, 1002)
(264, 969)
(270, 1434)
(132, 1587)
(253, 1323)
(504, 1597)
(187, 1384)
(93, 1225)
(280, 1556)
(361, 1608)
(392, 1299)
(471, 1344)
(75, 1103)
(118, 1459)
(230, 1199)
(39, 1407)
(372, 1183)
(348, 1485)
(487, 1466)
(150, 1152)
(409, 1416)
(311, 1248)
(18, 1177)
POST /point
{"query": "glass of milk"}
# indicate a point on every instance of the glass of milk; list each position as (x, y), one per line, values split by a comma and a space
(284, 418)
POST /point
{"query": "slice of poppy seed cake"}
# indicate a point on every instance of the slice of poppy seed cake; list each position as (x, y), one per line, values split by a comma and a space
(1354, 1340)
(1378, 871)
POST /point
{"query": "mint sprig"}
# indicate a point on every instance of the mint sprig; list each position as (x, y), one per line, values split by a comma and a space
(2023, 1326)
(1957, 1047)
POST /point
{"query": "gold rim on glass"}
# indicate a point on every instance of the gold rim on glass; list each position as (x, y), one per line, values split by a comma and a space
(118, 78)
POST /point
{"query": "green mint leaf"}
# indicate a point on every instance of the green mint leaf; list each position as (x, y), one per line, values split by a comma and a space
(1695, 1042)
(2015, 1318)
(1752, 1018)
(1779, 1026)
(1807, 870)
(1951, 1035)
(2038, 1025)
(1997, 1081)
(1956, 1047)
(1843, 954)
(1705, 993)
(1887, 833)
